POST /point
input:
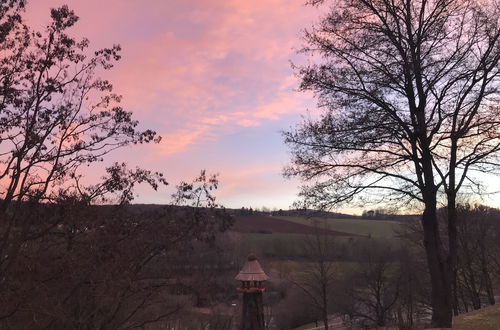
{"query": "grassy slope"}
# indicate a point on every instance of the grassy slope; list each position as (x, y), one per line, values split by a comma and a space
(281, 248)
(487, 318)
(269, 225)
(375, 228)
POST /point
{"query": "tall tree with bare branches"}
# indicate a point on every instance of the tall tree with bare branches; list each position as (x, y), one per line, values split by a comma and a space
(408, 92)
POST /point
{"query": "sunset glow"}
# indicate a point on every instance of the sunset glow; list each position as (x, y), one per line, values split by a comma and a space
(213, 77)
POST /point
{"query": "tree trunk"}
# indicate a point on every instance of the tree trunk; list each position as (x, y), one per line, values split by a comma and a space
(456, 310)
(440, 273)
(325, 319)
(452, 232)
(489, 289)
(325, 301)
(486, 275)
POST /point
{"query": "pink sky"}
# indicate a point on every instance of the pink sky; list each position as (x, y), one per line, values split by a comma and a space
(213, 78)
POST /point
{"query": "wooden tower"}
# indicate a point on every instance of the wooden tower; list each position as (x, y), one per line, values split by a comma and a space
(251, 277)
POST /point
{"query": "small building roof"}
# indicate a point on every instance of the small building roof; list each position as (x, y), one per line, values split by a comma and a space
(252, 271)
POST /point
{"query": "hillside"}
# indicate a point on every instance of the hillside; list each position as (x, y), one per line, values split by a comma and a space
(268, 225)
(487, 318)
(363, 227)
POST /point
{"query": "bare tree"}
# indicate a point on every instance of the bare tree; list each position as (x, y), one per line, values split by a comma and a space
(408, 91)
(477, 255)
(371, 291)
(412, 305)
(317, 278)
(477, 264)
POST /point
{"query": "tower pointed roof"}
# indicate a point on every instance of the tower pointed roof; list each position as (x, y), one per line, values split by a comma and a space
(252, 271)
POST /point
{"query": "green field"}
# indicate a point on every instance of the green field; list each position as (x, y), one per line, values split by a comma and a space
(291, 246)
(375, 228)
(282, 245)
(276, 245)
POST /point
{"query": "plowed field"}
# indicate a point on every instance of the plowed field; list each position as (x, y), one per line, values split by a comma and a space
(268, 225)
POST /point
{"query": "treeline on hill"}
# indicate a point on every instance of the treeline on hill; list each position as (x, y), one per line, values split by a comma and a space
(376, 214)
(292, 212)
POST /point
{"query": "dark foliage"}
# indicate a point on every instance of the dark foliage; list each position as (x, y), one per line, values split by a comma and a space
(68, 258)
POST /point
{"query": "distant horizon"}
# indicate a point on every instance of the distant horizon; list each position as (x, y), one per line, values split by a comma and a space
(260, 209)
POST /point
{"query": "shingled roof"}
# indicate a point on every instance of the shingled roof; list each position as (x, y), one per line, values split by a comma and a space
(252, 271)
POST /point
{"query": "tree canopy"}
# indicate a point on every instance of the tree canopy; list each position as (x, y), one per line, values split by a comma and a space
(409, 98)
(401, 84)
(67, 260)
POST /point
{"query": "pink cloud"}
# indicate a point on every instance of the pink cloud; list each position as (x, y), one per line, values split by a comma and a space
(179, 140)
(198, 70)
(192, 61)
